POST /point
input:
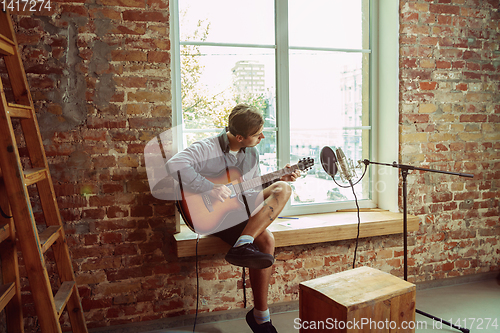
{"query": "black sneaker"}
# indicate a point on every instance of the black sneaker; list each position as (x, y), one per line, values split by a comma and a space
(248, 255)
(267, 327)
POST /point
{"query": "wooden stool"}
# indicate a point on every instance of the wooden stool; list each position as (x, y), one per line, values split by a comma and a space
(358, 300)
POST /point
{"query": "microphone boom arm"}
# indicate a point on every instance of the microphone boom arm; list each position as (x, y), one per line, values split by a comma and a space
(411, 167)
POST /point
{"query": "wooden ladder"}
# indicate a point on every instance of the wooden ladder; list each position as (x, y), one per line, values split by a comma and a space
(10, 291)
(17, 180)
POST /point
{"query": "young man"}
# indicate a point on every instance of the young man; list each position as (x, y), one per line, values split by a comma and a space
(244, 229)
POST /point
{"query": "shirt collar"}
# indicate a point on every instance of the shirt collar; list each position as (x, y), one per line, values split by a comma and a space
(225, 141)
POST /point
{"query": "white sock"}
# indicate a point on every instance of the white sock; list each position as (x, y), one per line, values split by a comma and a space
(261, 317)
(244, 239)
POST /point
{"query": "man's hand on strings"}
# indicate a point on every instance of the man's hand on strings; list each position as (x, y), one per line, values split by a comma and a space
(292, 176)
(220, 192)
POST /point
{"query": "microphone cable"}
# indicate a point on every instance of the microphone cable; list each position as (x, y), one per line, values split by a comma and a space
(351, 185)
(359, 223)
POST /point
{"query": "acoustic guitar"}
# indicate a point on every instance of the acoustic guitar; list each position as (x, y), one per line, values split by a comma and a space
(204, 214)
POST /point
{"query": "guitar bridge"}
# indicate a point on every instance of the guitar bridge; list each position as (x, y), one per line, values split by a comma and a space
(208, 202)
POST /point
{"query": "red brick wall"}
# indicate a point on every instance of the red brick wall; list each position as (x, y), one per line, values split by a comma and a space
(450, 120)
(100, 78)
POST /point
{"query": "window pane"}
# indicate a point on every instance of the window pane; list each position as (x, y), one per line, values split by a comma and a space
(215, 79)
(326, 23)
(326, 109)
(227, 21)
(267, 152)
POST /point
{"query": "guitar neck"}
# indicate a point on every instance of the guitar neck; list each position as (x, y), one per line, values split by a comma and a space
(259, 181)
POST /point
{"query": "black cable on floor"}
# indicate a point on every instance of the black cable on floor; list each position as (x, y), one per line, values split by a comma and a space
(244, 288)
(197, 285)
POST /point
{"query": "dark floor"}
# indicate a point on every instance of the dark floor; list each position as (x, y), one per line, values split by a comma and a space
(474, 305)
(470, 301)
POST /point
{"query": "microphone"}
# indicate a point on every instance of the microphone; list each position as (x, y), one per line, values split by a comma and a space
(346, 167)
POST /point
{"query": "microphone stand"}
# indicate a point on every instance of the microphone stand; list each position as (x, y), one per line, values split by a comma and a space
(404, 173)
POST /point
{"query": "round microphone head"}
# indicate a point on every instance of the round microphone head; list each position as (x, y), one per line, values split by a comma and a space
(328, 159)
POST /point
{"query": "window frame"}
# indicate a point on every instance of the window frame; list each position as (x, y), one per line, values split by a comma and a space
(383, 105)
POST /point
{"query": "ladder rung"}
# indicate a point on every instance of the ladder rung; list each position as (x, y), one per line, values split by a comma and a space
(19, 111)
(7, 291)
(4, 232)
(49, 236)
(32, 176)
(63, 295)
(6, 46)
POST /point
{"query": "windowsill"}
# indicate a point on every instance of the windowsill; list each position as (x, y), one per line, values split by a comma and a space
(314, 228)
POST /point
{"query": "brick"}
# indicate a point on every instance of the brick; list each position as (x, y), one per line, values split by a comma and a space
(96, 213)
(473, 118)
(131, 272)
(123, 55)
(443, 64)
(95, 123)
(428, 85)
(113, 288)
(444, 9)
(414, 137)
(156, 56)
(104, 162)
(128, 161)
(427, 108)
(444, 19)
(144, 16)
(130, 28)
(73, 11)
(124, 3)
(148, 96)
(427, 63)
(91, 278)
(141, 123)
(412, 29)
(429, 40)
(131, 82)
(417, 118)
(478, 97)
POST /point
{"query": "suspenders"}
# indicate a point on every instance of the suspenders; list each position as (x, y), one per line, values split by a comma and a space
(221, 143)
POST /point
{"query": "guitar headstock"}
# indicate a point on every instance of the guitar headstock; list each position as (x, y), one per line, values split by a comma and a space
(305, 163)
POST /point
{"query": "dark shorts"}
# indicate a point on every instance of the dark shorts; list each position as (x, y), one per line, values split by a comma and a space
(231, 234)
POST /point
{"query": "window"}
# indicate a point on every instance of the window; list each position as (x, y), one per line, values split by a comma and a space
(309, 66)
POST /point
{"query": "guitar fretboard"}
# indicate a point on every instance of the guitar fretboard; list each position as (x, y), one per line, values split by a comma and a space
(259, 181)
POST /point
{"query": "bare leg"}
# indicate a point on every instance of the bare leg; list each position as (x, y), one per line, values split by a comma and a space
(275, 199)
(260, 278)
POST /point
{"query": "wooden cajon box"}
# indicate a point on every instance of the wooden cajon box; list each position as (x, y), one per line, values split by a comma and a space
(358, 300)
